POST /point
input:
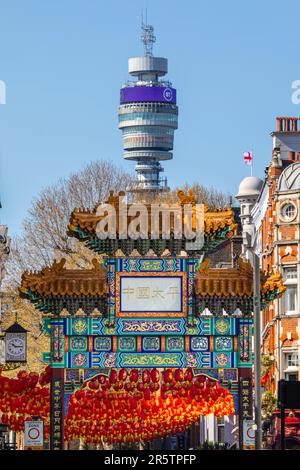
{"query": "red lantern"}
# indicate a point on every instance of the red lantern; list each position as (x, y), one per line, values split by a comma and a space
(188, 376)
(140, 387)
(178, 375)
(146, 376)
(155, 375)
(123, 374)
(113, 376)
(134, 375)
(168, 375)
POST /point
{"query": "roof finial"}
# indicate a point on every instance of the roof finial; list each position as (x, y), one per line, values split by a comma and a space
(147, 36)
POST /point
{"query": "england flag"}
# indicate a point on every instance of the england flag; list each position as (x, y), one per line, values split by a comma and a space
(248, 158)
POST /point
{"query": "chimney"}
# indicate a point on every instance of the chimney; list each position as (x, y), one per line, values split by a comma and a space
(287, 138)
(292, 155)
(287, 124)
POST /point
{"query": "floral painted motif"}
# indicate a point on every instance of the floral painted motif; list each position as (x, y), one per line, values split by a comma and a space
(222, 326)
(191, 360)
(110, 360)
(79, 360)
(80, 326)
(222, 359)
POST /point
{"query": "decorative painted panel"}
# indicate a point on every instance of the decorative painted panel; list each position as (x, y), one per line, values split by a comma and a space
(111, 283)
(223, 343)
(145, 326)
(151, 344)
(199, 343)
(201, 359)
(95, 326)
(150, 264)
(107, 360)
(230, 374)
(127, 344)
(72, 375)
(102, 343)
(77, 343)
(89, 373)
(174, 343)
(224, 359)
(244, 342)
(224, 326)
(160, 336)
(198, 359)
(79, 359)
(151, 360)
(57, 342)
(79, 326)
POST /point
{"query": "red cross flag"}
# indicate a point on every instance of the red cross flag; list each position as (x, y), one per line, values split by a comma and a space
(248, 158)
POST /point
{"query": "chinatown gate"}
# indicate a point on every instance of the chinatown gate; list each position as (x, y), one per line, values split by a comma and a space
(149, 304)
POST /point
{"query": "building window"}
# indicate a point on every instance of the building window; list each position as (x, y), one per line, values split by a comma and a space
(290, 295)
(290, 299)
(221, 429)
(290, 273)
(292, 359)
(288, 212)
(291, 377)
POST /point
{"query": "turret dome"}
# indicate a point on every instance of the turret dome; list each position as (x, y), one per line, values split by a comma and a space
(249, 187)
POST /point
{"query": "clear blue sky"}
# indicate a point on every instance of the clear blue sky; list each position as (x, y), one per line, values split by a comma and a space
(63, 62)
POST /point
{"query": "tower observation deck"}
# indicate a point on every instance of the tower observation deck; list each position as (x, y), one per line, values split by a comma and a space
(148, 116)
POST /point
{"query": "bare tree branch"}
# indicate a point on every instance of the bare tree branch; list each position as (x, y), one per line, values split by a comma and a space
(44, 234)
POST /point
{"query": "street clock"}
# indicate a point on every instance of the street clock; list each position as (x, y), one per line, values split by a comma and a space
(15, 343)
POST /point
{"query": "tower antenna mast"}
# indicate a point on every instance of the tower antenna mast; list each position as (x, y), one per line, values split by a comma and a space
(148, 38)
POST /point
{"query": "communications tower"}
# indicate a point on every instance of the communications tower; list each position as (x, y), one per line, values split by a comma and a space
(148, 116)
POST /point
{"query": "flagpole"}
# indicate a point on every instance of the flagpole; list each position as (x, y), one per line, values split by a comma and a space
(248, 159)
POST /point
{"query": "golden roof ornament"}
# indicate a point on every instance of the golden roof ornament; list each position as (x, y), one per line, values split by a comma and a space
(184, 198)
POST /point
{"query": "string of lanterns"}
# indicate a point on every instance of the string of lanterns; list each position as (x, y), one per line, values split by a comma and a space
(124, 406)
(129, 406)
(26, 396)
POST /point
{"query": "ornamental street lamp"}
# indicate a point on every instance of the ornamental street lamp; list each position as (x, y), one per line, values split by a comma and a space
(250, 244)
(257, 351)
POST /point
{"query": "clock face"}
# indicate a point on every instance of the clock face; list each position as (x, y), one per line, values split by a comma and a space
(16, 346)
